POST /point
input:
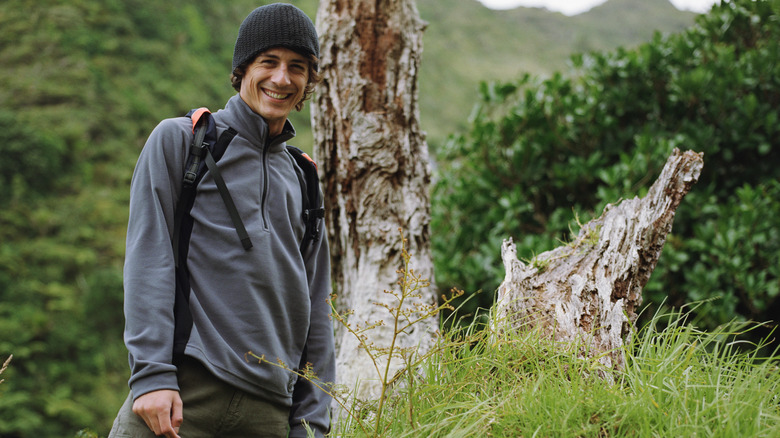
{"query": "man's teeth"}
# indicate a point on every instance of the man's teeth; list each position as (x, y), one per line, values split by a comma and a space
(276, 95)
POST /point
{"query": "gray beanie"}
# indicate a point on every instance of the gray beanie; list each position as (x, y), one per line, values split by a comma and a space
(275, 25)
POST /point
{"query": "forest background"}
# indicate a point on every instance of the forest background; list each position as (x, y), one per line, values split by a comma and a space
(543, 140)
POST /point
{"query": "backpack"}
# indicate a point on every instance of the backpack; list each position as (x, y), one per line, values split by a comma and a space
(205, 151)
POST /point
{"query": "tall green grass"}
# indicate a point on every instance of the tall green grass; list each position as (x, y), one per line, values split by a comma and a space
(678, 382)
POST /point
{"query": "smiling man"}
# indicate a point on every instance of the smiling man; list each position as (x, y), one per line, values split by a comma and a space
(270, 299)
(273, 84)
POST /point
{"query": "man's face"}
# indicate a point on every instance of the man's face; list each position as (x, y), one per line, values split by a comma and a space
(273, 84)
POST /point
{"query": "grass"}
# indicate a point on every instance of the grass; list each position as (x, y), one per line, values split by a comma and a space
(678, 381)
(5, 366)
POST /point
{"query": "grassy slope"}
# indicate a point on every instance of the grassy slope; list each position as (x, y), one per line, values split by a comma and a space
(678, 382)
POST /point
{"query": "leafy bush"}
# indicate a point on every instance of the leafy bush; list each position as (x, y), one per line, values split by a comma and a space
(542, 151)
(32, 161)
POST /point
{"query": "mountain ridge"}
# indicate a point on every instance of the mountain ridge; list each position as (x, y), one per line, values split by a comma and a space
(532, 40)
(486, 4)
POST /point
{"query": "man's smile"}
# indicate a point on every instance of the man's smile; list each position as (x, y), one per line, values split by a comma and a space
(275, 95)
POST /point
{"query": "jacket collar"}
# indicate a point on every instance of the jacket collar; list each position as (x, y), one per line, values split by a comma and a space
(252, 126)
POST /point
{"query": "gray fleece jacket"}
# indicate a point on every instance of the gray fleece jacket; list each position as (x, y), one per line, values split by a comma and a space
(270, 300)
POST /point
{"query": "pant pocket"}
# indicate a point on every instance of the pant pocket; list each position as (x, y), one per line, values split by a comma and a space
(129, 425)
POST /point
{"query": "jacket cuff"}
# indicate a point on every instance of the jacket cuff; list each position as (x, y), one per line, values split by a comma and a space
(155, 382)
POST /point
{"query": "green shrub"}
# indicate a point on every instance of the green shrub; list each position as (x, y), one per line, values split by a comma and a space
(540, 152)
(32, 160)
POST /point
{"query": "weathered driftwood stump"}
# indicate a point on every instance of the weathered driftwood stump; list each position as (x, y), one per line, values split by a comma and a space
(590, 289)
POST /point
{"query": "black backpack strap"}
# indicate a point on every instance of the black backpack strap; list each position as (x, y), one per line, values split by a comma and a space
(187, 195)
(313, 211)
(228, 200)
(205, 151)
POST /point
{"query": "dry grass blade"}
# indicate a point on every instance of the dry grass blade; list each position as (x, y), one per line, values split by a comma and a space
(5, 366)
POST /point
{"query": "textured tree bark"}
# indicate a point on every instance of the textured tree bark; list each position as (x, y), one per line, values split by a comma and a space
(590, 289)
(374, 166)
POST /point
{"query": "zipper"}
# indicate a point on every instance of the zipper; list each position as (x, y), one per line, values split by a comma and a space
(281, 138)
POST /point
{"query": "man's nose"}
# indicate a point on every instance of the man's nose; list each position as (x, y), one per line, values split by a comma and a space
(281, 75)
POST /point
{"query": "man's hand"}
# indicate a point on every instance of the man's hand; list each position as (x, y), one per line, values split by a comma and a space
(162, 412)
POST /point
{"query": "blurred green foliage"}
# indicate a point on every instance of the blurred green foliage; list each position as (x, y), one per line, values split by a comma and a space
(542, 151)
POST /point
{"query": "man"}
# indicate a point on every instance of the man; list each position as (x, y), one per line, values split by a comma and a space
(270, 299)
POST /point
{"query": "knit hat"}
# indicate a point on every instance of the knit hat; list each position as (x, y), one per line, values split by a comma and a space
(275, 25)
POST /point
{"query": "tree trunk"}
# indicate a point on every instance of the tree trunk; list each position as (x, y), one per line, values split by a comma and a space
(374, 166)
(590, 289)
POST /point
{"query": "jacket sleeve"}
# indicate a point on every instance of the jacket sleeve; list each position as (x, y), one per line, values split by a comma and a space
(149, 271)
(310, 403)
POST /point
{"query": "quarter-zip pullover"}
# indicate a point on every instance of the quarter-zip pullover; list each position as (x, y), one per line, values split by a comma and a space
(270, 300)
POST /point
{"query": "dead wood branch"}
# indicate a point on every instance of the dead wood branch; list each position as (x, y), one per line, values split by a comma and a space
(591, 288)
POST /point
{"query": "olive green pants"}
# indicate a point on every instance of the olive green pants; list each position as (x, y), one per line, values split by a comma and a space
(211, 408)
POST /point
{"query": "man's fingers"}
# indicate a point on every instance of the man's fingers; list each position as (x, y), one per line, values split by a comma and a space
(166, 427)
(161, 411)
(149, 415)
(153, 424)
(177, 415)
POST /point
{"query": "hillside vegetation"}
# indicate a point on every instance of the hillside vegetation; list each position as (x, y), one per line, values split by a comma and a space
(544, 155)
(84, 82)
(466, 43)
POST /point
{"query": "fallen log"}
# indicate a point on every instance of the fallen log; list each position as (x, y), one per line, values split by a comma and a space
(590, 289)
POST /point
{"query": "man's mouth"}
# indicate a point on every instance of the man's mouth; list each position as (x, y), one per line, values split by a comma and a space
(275, 95)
